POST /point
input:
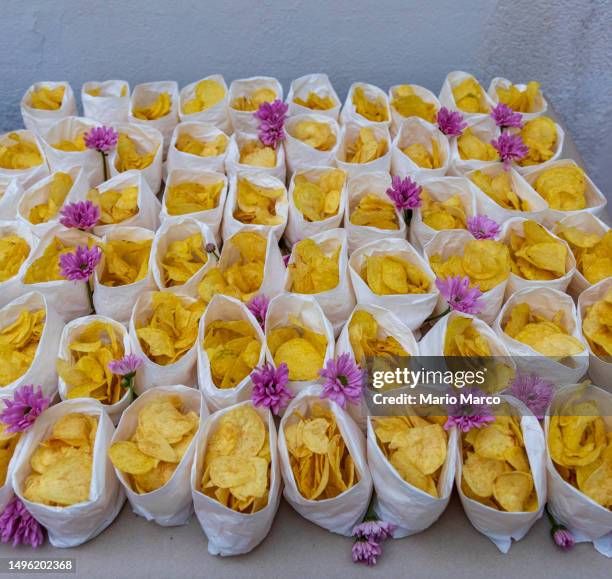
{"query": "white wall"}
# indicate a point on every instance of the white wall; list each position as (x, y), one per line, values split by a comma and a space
(566, 45)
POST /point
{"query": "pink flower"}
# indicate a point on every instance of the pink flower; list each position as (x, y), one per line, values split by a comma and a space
(25, 407)
(102, 139)
(343, 380)
(405, 193)
(510, 148)
(80, 215)
(258, 306)
(504, 116)
(286, 259)
(272, 116)
(80, 264)
(270, 387)
(563, 539)
(459, 295)
(466, 416)
(450, 122)
(375, 530)
(533, 391)
(18, 526)
(125, 366)
(366, 552)
(482, 227)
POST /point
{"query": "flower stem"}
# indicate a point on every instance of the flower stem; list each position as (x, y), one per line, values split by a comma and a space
(104, 165)
(90, 296)
(437, 317)
(407, 216)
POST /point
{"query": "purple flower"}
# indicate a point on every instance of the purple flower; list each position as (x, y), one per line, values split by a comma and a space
(468, 415)
(25, 407)
(374, 530)
(510, 148)
(80, 264)
(271, 128)
(450, 122)
(366, 552)
(533, 391)
(102, 139)
(405, 193)
(343, 380)
(126, 365)
(286, 259)
(258, 306)
(459, 295)
(563, 539)
(504, 116)
(80, 215)
(482, 227)
(18, 526)
(270, 387)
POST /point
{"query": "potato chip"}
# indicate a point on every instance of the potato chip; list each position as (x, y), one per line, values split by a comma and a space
(47, 98)
(368, 339)
(256, 204)
(14, 250)
(366, 147)
(125, 262)
(233, 350)
(499, 188)
(57, 190)
(62, 463)
(116, 205)
(8, 442)
(547, 336)
(315, 134)
(540, 136)
(72, 146)
(253, 101)
(593, 252)
(313, 269)
(318, 199)
(408, 104)
(374, 110)
(237, 461)
(106, 91)
(520, 100)
(392, 275)
(321, 463)
(373, 211)
(208, 93)
(316, 102)
(189, 144)
(485, 261)
(183, 259)
(463, 339)
(130, 154)
(469, 96)
(563, 187)
(256, 154)
(86, 372)
(19, 154)
(164, 433)
(471, 146)
(18, 344)
(156, 109)
(192, 197)
(597, 327)
(242, 278)
(439, 215)
(171, 329)
(422, 156)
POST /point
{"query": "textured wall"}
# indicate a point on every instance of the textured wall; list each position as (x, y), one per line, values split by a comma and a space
(567, 45)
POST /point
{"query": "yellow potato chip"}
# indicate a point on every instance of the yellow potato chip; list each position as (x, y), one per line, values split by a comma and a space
(315, 101)
(319, 198)
(540, 136)
(471, 146)
(313, 270)
(593, 252)
(499, 188)
(318, 135)
(408, 104)
(47, 98)
(521, 100)
(438, 215)
(125, 262)
(208, 93)
(183, 259)
(192, 197)
(597, 326)
(130, 154)
(57, 190)
(14, 250)
(374, 110)
(392, 275)
(252, 101)
(256, 154)
(368, 339)
(8, 442)
(470, 97)
(256, 204)
(156, 109)
(75, 145)
(17, 153)
(463, 339)
(563, 187)
(422, 156)
(116, 205)
(366, 147)
(189, 144)
(373, 211)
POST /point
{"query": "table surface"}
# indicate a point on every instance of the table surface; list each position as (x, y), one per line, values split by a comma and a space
(132, 547)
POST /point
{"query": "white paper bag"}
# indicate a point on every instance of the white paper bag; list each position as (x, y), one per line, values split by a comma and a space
(499, 526)
(342, 513)
(6, 490)
(70, 129)
(453, 79)
(225, 308)
(25, 177)
(147, 215)
(42, 369)
(299, 154)
(171, 504)
(116, 302)
(412, 131)
(541, 106)
(372, 93)
(147, 140)
(425, 94)
(230, 532)
(545, 302)
(231, 225)
(39, 120)
(210, 217)
(10, 194)
(297, 225)
(315, 83)
(111, 106)
(486, 130)
(245, 121)
(71, 333)
(13, 287)
(348, 136)
(204, 133)
(557, 149)
(217, 115)
(232, 159)
(375, 184)
(338, 302)
(74, 525)
(440, 189)
(178, 230)
(412, 309)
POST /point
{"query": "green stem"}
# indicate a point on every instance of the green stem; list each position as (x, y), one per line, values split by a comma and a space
(127, 382)
(90, 296)
(551, 519)
(407, 216)
(371, 513)
(104, 165)
(434, 318)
